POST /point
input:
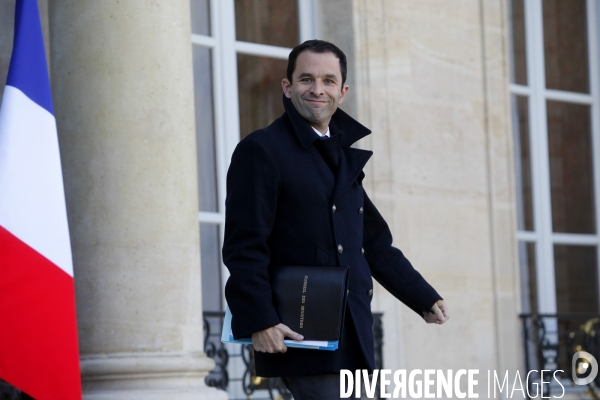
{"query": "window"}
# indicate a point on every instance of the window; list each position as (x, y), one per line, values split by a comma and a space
(240, 50)
(555, 109)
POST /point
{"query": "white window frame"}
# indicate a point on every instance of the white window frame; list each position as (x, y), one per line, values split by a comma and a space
(542, 235)
(225, 49)
(226, 109)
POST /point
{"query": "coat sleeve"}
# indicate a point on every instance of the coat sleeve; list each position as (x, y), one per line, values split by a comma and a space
(390, 267)
(252, 191)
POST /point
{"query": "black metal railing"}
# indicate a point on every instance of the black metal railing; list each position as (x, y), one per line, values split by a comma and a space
(551, 340)
(9, 392)
(221, 378)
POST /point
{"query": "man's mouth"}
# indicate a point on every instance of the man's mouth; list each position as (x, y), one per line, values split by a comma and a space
(316, 101)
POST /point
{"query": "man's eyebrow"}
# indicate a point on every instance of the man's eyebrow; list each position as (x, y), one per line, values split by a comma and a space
(304, 75)
(309, 75)
(331, 76)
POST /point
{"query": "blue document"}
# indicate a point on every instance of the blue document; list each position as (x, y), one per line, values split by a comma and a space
(227, 337)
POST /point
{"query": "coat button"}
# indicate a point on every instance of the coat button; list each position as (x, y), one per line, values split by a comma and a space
(361, 210)
(340, 248)
(333, 208)
(347, 292)
(362, 251)
(370, 292)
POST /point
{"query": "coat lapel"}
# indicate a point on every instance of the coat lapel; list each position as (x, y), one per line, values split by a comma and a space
(352, 162)
(322, 170)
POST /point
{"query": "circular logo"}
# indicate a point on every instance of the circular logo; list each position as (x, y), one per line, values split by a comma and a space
(584, 368)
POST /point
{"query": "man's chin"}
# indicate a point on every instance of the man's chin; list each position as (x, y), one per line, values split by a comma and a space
(318, 113)
(315, 120)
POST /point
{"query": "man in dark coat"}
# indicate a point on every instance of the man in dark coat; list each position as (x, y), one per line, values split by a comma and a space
(295, 197)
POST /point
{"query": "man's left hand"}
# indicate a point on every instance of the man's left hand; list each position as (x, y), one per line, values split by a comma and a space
(438, 314)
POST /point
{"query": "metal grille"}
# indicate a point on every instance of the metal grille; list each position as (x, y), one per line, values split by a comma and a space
(551, 340)
(221, 378)
(9, 392)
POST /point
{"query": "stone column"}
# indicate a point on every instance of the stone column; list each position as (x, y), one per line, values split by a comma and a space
(123, 93)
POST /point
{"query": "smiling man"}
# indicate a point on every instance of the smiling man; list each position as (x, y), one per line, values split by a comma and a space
(295, 197)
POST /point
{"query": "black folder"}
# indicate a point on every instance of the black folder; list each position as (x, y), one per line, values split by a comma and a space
(311, 300)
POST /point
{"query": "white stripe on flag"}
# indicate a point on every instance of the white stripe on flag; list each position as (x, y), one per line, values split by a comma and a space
(32, 205)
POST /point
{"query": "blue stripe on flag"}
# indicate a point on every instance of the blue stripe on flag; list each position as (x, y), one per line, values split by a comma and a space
(28, 70)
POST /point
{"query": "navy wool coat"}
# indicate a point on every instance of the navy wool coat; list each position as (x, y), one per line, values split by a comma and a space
(295, 200)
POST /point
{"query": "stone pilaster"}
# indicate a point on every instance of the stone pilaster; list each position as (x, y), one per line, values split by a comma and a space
(432, 82)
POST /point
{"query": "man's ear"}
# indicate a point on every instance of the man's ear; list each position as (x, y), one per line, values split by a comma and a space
(344, 91)
(286, 85)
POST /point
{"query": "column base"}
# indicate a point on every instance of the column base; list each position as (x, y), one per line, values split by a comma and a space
(205, 394)
(148, 376)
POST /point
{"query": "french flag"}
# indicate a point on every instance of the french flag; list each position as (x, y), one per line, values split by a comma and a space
(39, 352)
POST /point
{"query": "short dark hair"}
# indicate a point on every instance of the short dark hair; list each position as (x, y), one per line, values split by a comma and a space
(316, 46)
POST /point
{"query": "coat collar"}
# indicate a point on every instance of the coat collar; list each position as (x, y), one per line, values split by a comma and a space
(340, 124)
(343, 127)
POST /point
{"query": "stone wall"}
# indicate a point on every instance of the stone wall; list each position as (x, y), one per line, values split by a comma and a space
(432, 83)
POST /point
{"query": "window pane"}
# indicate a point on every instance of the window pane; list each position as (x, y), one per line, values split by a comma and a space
(260, 93)
(576, 275)
(566, 45)
(205, 129)
(200, 10)
(528, 277)
(210, 254)
(518, 70)
(571, 174)
(273, 22)
(520, 114)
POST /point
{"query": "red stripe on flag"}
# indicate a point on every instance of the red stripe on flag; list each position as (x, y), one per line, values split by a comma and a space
(39, 352)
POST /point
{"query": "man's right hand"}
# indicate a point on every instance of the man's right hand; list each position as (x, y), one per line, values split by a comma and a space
(271, 339)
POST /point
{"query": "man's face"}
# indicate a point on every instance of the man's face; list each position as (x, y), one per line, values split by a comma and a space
(316, 89)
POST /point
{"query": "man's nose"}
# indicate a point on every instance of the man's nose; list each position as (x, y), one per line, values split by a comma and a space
(317, 87)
